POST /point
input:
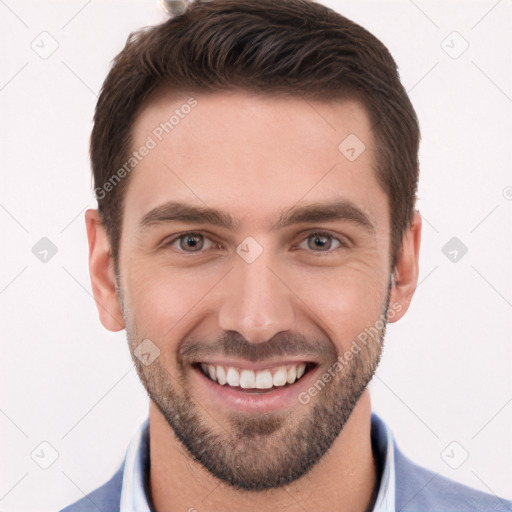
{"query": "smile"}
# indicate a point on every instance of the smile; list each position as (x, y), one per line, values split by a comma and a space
(250, 379)
(250, 387)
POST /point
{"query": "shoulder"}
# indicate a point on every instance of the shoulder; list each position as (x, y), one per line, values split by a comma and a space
(421, 490)
(106, 497)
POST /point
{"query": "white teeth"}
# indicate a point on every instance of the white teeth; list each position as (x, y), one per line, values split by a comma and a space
(264, 379)
(233, 377)
(279, 378)
(211, 372)
(247, 379)
(221, 375)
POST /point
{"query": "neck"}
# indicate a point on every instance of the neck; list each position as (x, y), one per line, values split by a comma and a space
(345, 479)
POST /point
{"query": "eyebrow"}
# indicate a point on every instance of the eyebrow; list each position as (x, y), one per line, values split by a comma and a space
(312, 213)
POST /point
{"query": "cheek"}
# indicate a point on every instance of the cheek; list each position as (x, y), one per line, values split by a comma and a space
(345, 300)
(160, 297)
(165, 301)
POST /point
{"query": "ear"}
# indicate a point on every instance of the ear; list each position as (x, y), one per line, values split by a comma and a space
(101, 270)
(405, 274)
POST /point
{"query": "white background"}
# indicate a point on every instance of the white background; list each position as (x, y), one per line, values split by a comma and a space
(447, 369)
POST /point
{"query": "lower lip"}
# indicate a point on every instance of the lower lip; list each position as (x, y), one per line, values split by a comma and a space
(278, 398)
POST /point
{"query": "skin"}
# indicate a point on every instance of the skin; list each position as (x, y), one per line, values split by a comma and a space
(254, 156)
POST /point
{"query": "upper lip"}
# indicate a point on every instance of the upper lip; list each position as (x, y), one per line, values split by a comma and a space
(255, 366)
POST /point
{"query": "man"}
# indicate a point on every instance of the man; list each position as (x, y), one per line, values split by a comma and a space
(256, 169)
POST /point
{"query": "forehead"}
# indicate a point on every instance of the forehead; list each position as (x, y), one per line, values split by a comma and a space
(253, 155)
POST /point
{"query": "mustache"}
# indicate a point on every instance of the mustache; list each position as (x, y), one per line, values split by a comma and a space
(233, 344)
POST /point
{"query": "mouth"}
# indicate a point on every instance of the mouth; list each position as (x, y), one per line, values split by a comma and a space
(246, 386)
(260, 381)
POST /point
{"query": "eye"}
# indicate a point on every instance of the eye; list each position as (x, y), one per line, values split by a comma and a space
(193, 241)
(321, 242)
(190, 242)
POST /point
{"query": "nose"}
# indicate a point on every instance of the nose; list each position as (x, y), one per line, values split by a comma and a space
(256, 302)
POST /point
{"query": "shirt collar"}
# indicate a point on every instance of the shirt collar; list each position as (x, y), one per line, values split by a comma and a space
(383, 445)
(135, 488)
(134, 495)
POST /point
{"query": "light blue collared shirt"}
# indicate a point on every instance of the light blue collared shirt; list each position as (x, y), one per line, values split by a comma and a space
(136, 467)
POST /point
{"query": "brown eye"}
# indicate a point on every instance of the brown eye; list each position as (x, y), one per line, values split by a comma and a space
(322, 242)
(189, 242)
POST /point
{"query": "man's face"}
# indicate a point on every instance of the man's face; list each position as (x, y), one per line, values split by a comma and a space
(269, 296)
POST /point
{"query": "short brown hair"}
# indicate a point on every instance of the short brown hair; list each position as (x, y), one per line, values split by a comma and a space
(295, 47)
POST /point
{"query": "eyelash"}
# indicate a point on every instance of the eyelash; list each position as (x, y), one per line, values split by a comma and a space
(309, 235)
